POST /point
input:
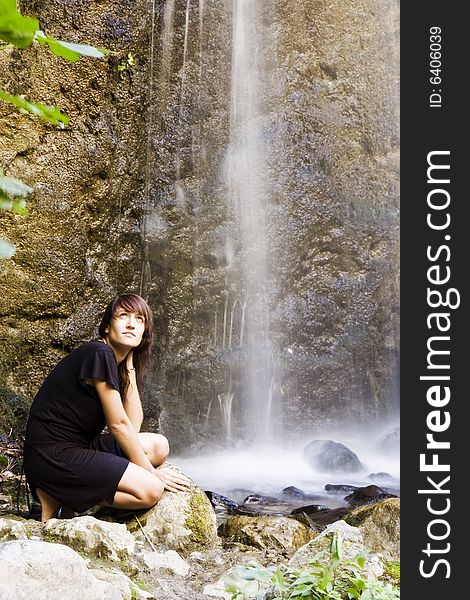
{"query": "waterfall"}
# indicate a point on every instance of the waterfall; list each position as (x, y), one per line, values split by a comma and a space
(272, 247)
(247, 198)
(167, 44)
(183, 83)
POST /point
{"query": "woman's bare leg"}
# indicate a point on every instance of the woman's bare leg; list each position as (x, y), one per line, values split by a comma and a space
(49, 505)
(137, 489)
(155, 446)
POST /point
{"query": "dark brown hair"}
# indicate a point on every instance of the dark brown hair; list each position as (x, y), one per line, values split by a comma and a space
(142, 355)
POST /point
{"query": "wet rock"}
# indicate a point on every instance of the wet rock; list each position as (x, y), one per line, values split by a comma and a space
(340, 488)
(297, 494)
(368, 494)
(307, 521)
(293, 492)
(281, 534)
(92, 536)
(324, 518)
(383, 479)
(221, 502)
(263, 500)
(254, 511)
(309, 509)
(37, 569)
(327, 455)
(390, 442)
(380, 526)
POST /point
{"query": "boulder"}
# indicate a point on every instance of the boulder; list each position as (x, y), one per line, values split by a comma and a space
(11, 529)
(128, 589)
(41, 570)
(326, 455)
(390, 442)
(181, 521)
(321, 519)
(352, 543)
(367, 495)
(380, 526)
(92, 537)
(169, 561)
(281, 534)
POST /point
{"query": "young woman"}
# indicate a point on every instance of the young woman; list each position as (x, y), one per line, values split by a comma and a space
(67, 462)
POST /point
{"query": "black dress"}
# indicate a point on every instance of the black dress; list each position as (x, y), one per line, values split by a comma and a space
(65, 455)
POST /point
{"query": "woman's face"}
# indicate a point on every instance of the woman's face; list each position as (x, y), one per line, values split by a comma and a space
(126, 329)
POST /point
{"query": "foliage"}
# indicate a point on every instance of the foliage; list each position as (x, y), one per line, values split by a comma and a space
(14, 27)
(338, 579)
(71, 52)
(392, 569)
(126, 62)
(47, 113)
(12, 197)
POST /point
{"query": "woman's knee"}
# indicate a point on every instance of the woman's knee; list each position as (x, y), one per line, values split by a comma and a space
(156, 447)
(151, 492)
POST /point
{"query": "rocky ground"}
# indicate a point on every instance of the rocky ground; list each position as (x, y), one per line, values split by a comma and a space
(182, 548)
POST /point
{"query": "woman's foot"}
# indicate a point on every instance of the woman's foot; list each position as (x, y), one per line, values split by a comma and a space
(49, 505)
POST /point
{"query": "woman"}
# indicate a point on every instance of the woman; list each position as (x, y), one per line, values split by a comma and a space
(68, 464)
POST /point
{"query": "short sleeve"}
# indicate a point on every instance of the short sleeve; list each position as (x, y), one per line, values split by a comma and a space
(100, 365)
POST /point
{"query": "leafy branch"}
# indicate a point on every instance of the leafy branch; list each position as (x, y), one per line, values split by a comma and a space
(21, 31)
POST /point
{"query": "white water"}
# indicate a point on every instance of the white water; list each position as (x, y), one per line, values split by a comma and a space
(268, 468)
(247, 199)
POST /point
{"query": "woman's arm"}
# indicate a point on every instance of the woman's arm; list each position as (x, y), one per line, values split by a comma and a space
(131, 401)
(120, 426)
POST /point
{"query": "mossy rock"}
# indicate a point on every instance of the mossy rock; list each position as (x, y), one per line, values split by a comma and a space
(392, 571)
(181, 521)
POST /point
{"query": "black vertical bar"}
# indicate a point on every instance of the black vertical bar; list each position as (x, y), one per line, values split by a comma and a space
(433, 120)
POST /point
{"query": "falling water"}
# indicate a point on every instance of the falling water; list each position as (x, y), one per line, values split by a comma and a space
(247, 199)
(167, 44)
(183, 87)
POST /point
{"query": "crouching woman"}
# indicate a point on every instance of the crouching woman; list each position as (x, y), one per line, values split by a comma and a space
(69, 463)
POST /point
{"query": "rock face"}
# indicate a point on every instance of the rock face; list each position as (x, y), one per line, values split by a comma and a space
(132, 196)
(80, 242)
(41, 570)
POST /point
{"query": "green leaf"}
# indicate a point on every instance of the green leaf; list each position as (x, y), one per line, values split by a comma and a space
(67, 50)
(51, 114)
(18, 206)
(7, 250)
(14, 187)
(14, 27)
(6, 203)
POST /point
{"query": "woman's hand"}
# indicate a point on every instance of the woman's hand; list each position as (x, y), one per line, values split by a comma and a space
(172, 480)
